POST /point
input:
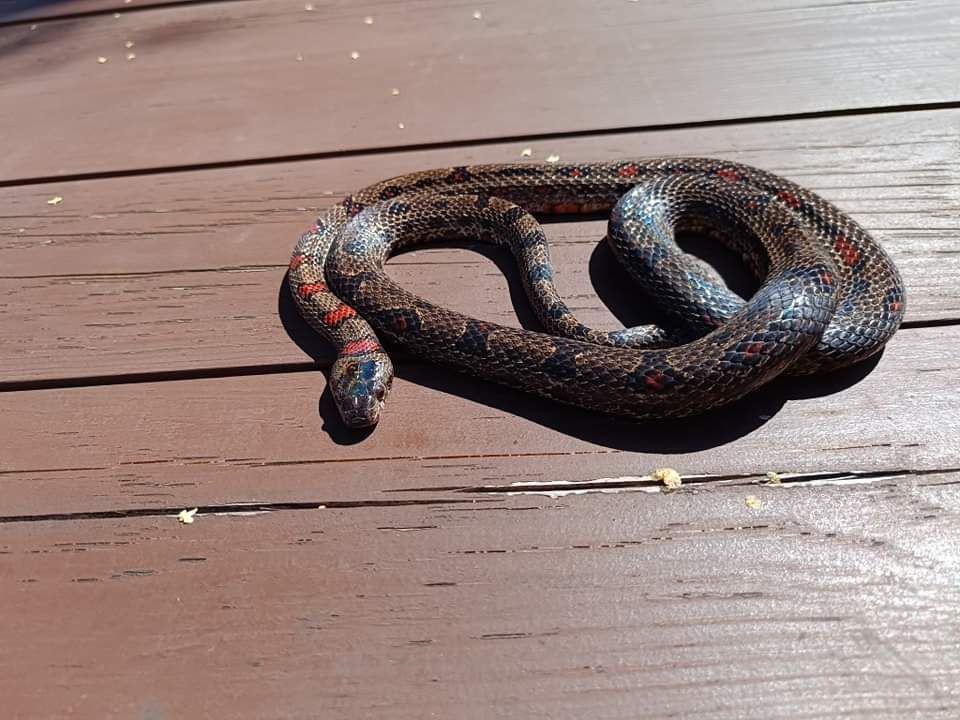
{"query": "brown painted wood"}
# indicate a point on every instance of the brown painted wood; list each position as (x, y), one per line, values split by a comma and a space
(480, 554)
(263, 438)
(127, 274)
(825, 602)
(221, 82)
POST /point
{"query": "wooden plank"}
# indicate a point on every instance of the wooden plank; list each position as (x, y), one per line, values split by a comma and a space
(126, 274)
(221, 82)
(824, 602)
(262, 439)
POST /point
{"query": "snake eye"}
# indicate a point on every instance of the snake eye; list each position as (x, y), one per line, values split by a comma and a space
(380, 393)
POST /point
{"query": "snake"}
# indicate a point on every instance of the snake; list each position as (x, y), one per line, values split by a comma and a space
(829, 295)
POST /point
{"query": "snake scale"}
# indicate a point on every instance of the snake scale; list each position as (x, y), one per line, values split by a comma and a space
(829, 297)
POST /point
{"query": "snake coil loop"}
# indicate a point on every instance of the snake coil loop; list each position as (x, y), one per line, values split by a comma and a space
(829, 296)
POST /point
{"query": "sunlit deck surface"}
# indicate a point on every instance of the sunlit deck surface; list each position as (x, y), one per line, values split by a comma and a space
(481, 554)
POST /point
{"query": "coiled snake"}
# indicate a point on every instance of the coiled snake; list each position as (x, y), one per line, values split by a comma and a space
(830, 296)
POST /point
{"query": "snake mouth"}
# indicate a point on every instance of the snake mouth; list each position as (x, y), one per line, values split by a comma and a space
(362, 410)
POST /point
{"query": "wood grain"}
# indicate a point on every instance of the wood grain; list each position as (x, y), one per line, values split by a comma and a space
(262, 438)
(221, 82)
(181, 271)
(823, 602)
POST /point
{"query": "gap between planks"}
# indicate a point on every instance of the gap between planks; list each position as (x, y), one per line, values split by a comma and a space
(481, 142)
(201, 373)
(554, 490)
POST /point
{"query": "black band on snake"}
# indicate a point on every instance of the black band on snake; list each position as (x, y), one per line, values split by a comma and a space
(829, 296)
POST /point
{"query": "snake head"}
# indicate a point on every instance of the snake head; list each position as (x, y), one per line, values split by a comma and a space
(359, 386)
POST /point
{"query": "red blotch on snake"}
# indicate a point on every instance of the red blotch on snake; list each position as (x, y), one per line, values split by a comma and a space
(847, 250)
(308, 289)
(338, 315)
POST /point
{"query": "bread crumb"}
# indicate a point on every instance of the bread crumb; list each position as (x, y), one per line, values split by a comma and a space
(668, 476)
(186, 516)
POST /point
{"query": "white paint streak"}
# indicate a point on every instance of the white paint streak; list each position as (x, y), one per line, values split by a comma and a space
(631, 483)
(852, 480)
(645, 483)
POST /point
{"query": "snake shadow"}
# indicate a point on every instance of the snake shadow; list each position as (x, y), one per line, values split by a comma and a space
(619, 293)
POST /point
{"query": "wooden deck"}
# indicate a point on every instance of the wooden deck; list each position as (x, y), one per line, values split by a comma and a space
(481, 554)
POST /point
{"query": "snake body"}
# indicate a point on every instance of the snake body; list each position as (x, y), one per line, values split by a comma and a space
(830, 295)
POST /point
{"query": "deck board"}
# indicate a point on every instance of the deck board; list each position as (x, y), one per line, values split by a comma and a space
(220, 82)
(264, 439)
(126, 275)
(825, 602)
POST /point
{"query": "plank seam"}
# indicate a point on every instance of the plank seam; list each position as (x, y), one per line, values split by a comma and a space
(804, 478)
(730, 480)
(227, 508)
(480, 142)
(208, 373)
